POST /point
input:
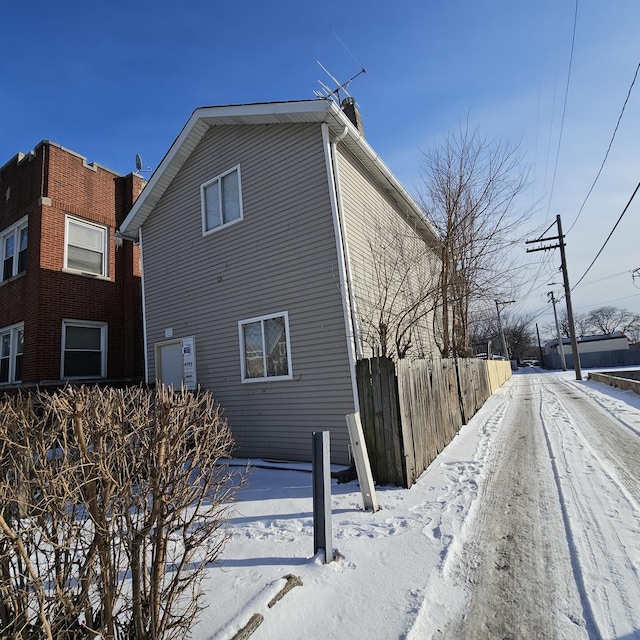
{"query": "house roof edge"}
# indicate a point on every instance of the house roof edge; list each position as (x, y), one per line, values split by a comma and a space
(316, 110)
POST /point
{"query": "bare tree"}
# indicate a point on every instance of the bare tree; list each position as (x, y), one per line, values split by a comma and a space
(396, 303)
(611, 319)
(603, 320)
(580, 320)
(517, 332)
(471, 186)
(519, 336)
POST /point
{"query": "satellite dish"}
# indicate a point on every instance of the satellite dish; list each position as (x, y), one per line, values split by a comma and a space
(139, 168)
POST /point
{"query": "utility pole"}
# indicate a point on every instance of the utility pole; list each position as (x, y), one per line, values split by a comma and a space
(567, 293)
(567, 289)
(563, 362)
(504, 342)
(542, 363)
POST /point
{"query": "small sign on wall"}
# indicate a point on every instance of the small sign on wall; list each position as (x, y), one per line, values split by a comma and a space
(189, 362)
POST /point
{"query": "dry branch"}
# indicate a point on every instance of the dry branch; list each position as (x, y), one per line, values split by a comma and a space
(112, 505)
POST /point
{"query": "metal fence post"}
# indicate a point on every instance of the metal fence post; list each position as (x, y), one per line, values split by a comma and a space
(322, 538)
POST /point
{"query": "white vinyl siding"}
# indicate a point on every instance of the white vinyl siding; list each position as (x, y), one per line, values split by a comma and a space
(264, 348)
(85, 247)
(84, 349)
(11, 348)
(221, 199)
(13, 250)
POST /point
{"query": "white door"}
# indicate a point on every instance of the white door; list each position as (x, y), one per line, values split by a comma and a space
(171, 370)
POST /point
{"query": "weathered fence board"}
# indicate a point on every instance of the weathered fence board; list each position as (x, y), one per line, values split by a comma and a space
(473, 380)
(380, 416)
(410, 412)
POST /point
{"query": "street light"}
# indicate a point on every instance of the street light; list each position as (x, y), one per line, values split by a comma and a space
(504, 342)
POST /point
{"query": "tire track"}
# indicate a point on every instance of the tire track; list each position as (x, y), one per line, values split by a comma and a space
(597, 490)
(514, 556)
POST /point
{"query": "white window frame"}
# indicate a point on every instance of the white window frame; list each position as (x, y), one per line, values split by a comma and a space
(103, 347)
(13, 331)
(243, 366)
(203, 201)
(14, 230)
(105, 246)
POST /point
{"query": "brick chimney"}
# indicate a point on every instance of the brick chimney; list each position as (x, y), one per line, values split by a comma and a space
(349, 108)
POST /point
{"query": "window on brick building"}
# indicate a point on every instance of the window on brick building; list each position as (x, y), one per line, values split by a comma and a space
(13, 249)
(85, 247)
(11, 347)
(84, 349)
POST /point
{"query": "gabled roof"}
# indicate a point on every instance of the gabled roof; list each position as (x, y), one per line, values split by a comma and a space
(303, 111)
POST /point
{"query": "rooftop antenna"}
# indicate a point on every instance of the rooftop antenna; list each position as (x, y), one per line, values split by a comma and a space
(334, 94)
(139, 168)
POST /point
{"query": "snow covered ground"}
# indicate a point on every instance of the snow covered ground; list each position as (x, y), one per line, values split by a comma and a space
(526, 526)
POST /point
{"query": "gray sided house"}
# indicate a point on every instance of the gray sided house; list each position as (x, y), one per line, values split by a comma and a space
(262, 235)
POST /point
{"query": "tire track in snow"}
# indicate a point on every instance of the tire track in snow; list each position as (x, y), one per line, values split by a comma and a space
(625, 414)
(503, 573)
(612, 440)
(600, 511)
(577, 574)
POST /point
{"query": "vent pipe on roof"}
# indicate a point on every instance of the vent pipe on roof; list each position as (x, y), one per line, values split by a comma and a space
(350, 109)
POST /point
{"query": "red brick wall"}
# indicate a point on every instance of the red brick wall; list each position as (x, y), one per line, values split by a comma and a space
(23, 180)
(46, 295)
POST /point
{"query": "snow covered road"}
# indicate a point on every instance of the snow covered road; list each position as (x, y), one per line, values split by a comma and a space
(551, 549)
(526, 526)
(597, 470)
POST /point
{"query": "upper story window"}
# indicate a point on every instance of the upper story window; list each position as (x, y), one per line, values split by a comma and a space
(85, 247)
(221, 200)
(264, 348)
(13, 249)
(84, 349)
(11, 347)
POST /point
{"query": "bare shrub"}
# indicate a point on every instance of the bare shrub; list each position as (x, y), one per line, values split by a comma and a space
(112, 504)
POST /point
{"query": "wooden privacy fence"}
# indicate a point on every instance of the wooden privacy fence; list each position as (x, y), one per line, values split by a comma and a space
(412, 410)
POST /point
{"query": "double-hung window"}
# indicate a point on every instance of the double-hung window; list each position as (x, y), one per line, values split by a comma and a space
(84, 349)
(13, 249)
(11, 347)
(221, 200)
(264, 348)
(85, 247)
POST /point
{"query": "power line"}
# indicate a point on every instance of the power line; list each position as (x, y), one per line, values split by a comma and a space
(602, 304)
(613, 275)
(633, 195)
(564, 107)
(606, 155)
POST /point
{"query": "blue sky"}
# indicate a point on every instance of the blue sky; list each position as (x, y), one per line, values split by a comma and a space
(109, 80)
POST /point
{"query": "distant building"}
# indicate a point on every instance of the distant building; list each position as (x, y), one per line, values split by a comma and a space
(609, 350)
(590, 344)
(70, 299)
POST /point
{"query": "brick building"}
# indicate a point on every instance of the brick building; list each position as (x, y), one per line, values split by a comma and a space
(70, 299)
